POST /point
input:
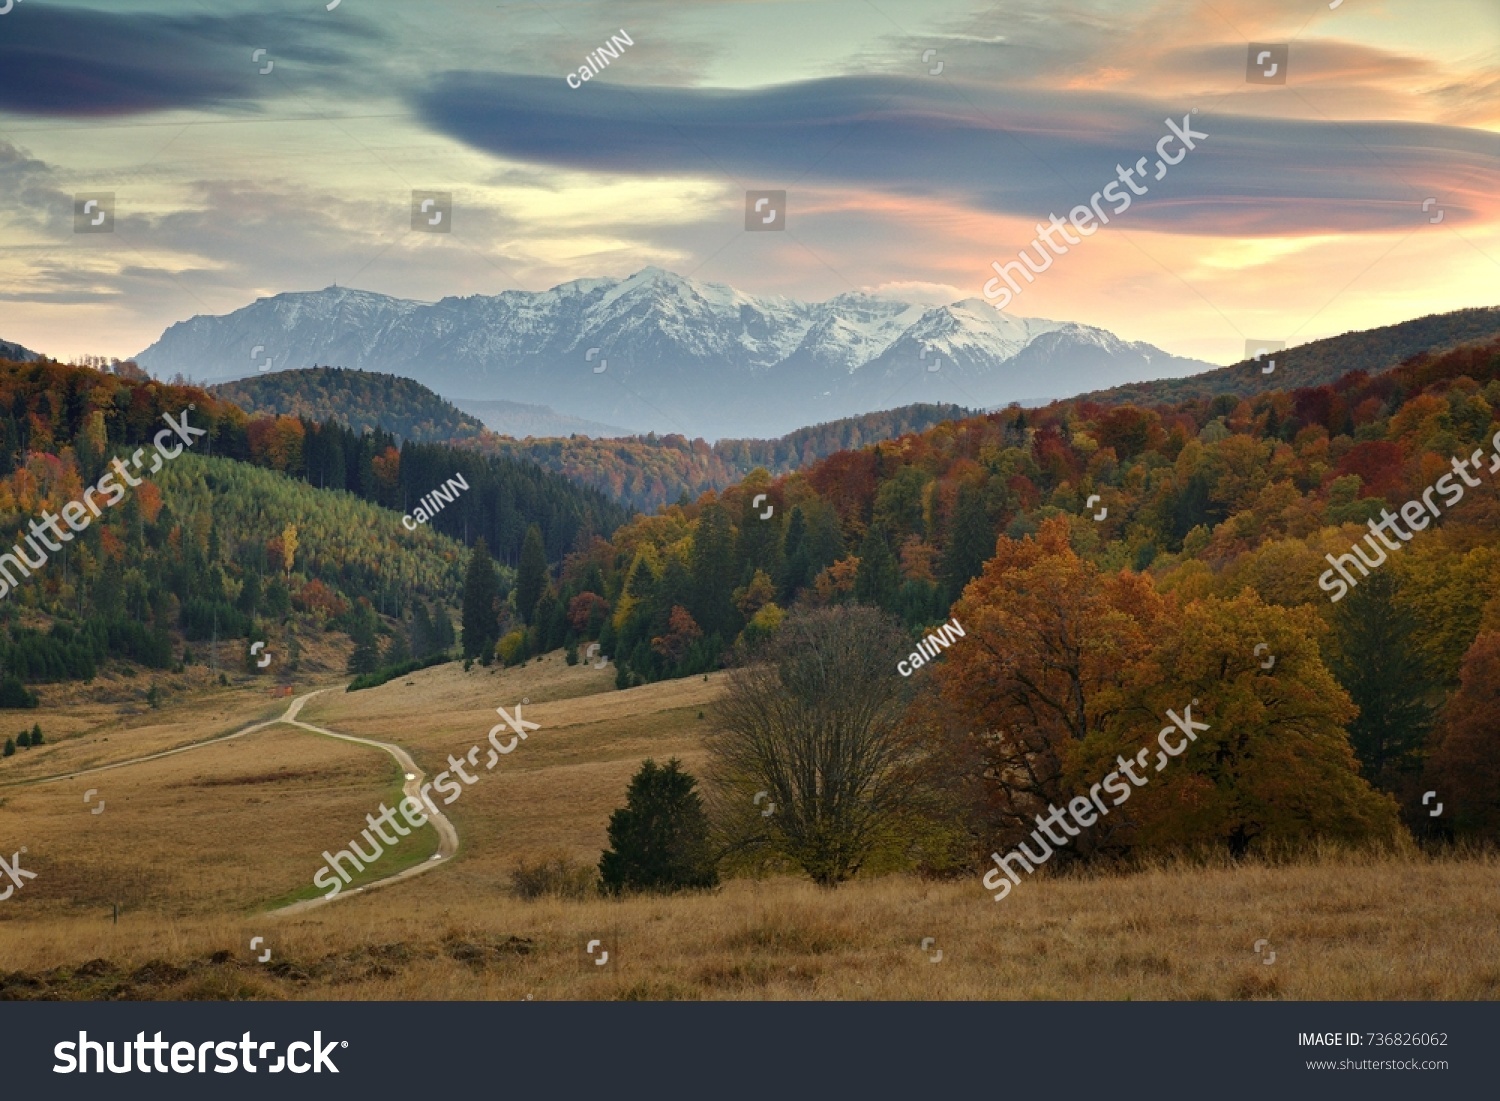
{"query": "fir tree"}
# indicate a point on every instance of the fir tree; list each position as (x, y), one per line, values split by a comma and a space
(1378, 663)
(481, 590)
(971, 542)
(878, 580)
(659, 840)
(531, 575)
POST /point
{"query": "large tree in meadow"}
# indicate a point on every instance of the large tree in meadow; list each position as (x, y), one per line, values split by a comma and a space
(809, 753)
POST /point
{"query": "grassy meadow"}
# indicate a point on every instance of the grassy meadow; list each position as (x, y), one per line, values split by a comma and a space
(198, 847)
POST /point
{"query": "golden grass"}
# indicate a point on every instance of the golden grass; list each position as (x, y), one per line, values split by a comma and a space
(198, 844)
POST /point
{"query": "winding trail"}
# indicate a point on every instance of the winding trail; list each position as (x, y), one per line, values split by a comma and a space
(447, 835)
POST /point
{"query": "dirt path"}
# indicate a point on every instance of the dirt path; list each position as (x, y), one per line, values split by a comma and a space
(447, 835)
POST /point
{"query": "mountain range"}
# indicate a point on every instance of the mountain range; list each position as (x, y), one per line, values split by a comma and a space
(660, 351)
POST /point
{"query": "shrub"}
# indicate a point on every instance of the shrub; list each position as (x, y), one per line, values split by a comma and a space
(512, 649)
(555, 875)
(374, 680)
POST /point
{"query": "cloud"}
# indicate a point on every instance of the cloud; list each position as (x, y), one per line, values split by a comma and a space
(78, 63)
(997, 150)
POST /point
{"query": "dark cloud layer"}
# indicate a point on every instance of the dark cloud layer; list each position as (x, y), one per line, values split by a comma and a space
(1005, 150)
(76, 63)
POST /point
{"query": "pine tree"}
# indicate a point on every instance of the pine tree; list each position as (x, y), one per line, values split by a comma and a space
(10, 748)
(36, 734)
(366, 655)
(971, 543)
(24, 741)
(423, 641)
(794, 552)
(1378, 663)
(481, 589)
(712, 569)
(442, 628)
(659, 840)
(531, 576)
(397, 651)
(878, 580)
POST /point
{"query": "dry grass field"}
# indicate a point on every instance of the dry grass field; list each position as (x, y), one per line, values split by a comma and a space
(199, 847)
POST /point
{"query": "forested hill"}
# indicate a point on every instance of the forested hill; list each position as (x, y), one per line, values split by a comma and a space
(1319, 362)
(361, 400)
(1069, 529)
(643, 472)
(15, 353)
(264, 522)
(650, 471)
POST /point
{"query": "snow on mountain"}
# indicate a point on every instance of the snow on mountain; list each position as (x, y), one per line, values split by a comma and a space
(673, 354)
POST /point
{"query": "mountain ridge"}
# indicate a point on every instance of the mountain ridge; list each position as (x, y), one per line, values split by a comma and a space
(1374, 351)
(666, 353)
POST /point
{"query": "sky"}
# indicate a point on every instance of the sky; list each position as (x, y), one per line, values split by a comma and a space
(254, 148)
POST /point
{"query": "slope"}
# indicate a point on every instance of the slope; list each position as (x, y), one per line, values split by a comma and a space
(1318, 362)
(356, 399)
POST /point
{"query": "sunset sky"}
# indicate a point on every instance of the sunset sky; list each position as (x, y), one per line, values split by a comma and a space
(1299, 216)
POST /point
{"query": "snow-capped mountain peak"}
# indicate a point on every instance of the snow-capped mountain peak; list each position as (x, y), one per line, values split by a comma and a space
(673, 353)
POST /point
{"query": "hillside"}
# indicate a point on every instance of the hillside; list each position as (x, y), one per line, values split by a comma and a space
(647, 472)
(643, 472)
(16, 354)
(265, 523)
(1318, 362)
(360, 400)
(1218, 512)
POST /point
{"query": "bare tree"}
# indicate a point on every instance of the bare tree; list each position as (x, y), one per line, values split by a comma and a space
(809, 749)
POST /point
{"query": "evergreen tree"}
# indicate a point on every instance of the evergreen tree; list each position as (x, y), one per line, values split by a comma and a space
(397, 651)
(481, 589)
(442, 629)
(36, 734)
(278, 600)
(10, 748)
(1378, 662)
(423, 640)
(366, 655)
(249, 601)
(794, 552)
(712, 569)
(15, 694)
(970, 542)
(24, 741)
(659, 840)
(531, 575)
(878, 580)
